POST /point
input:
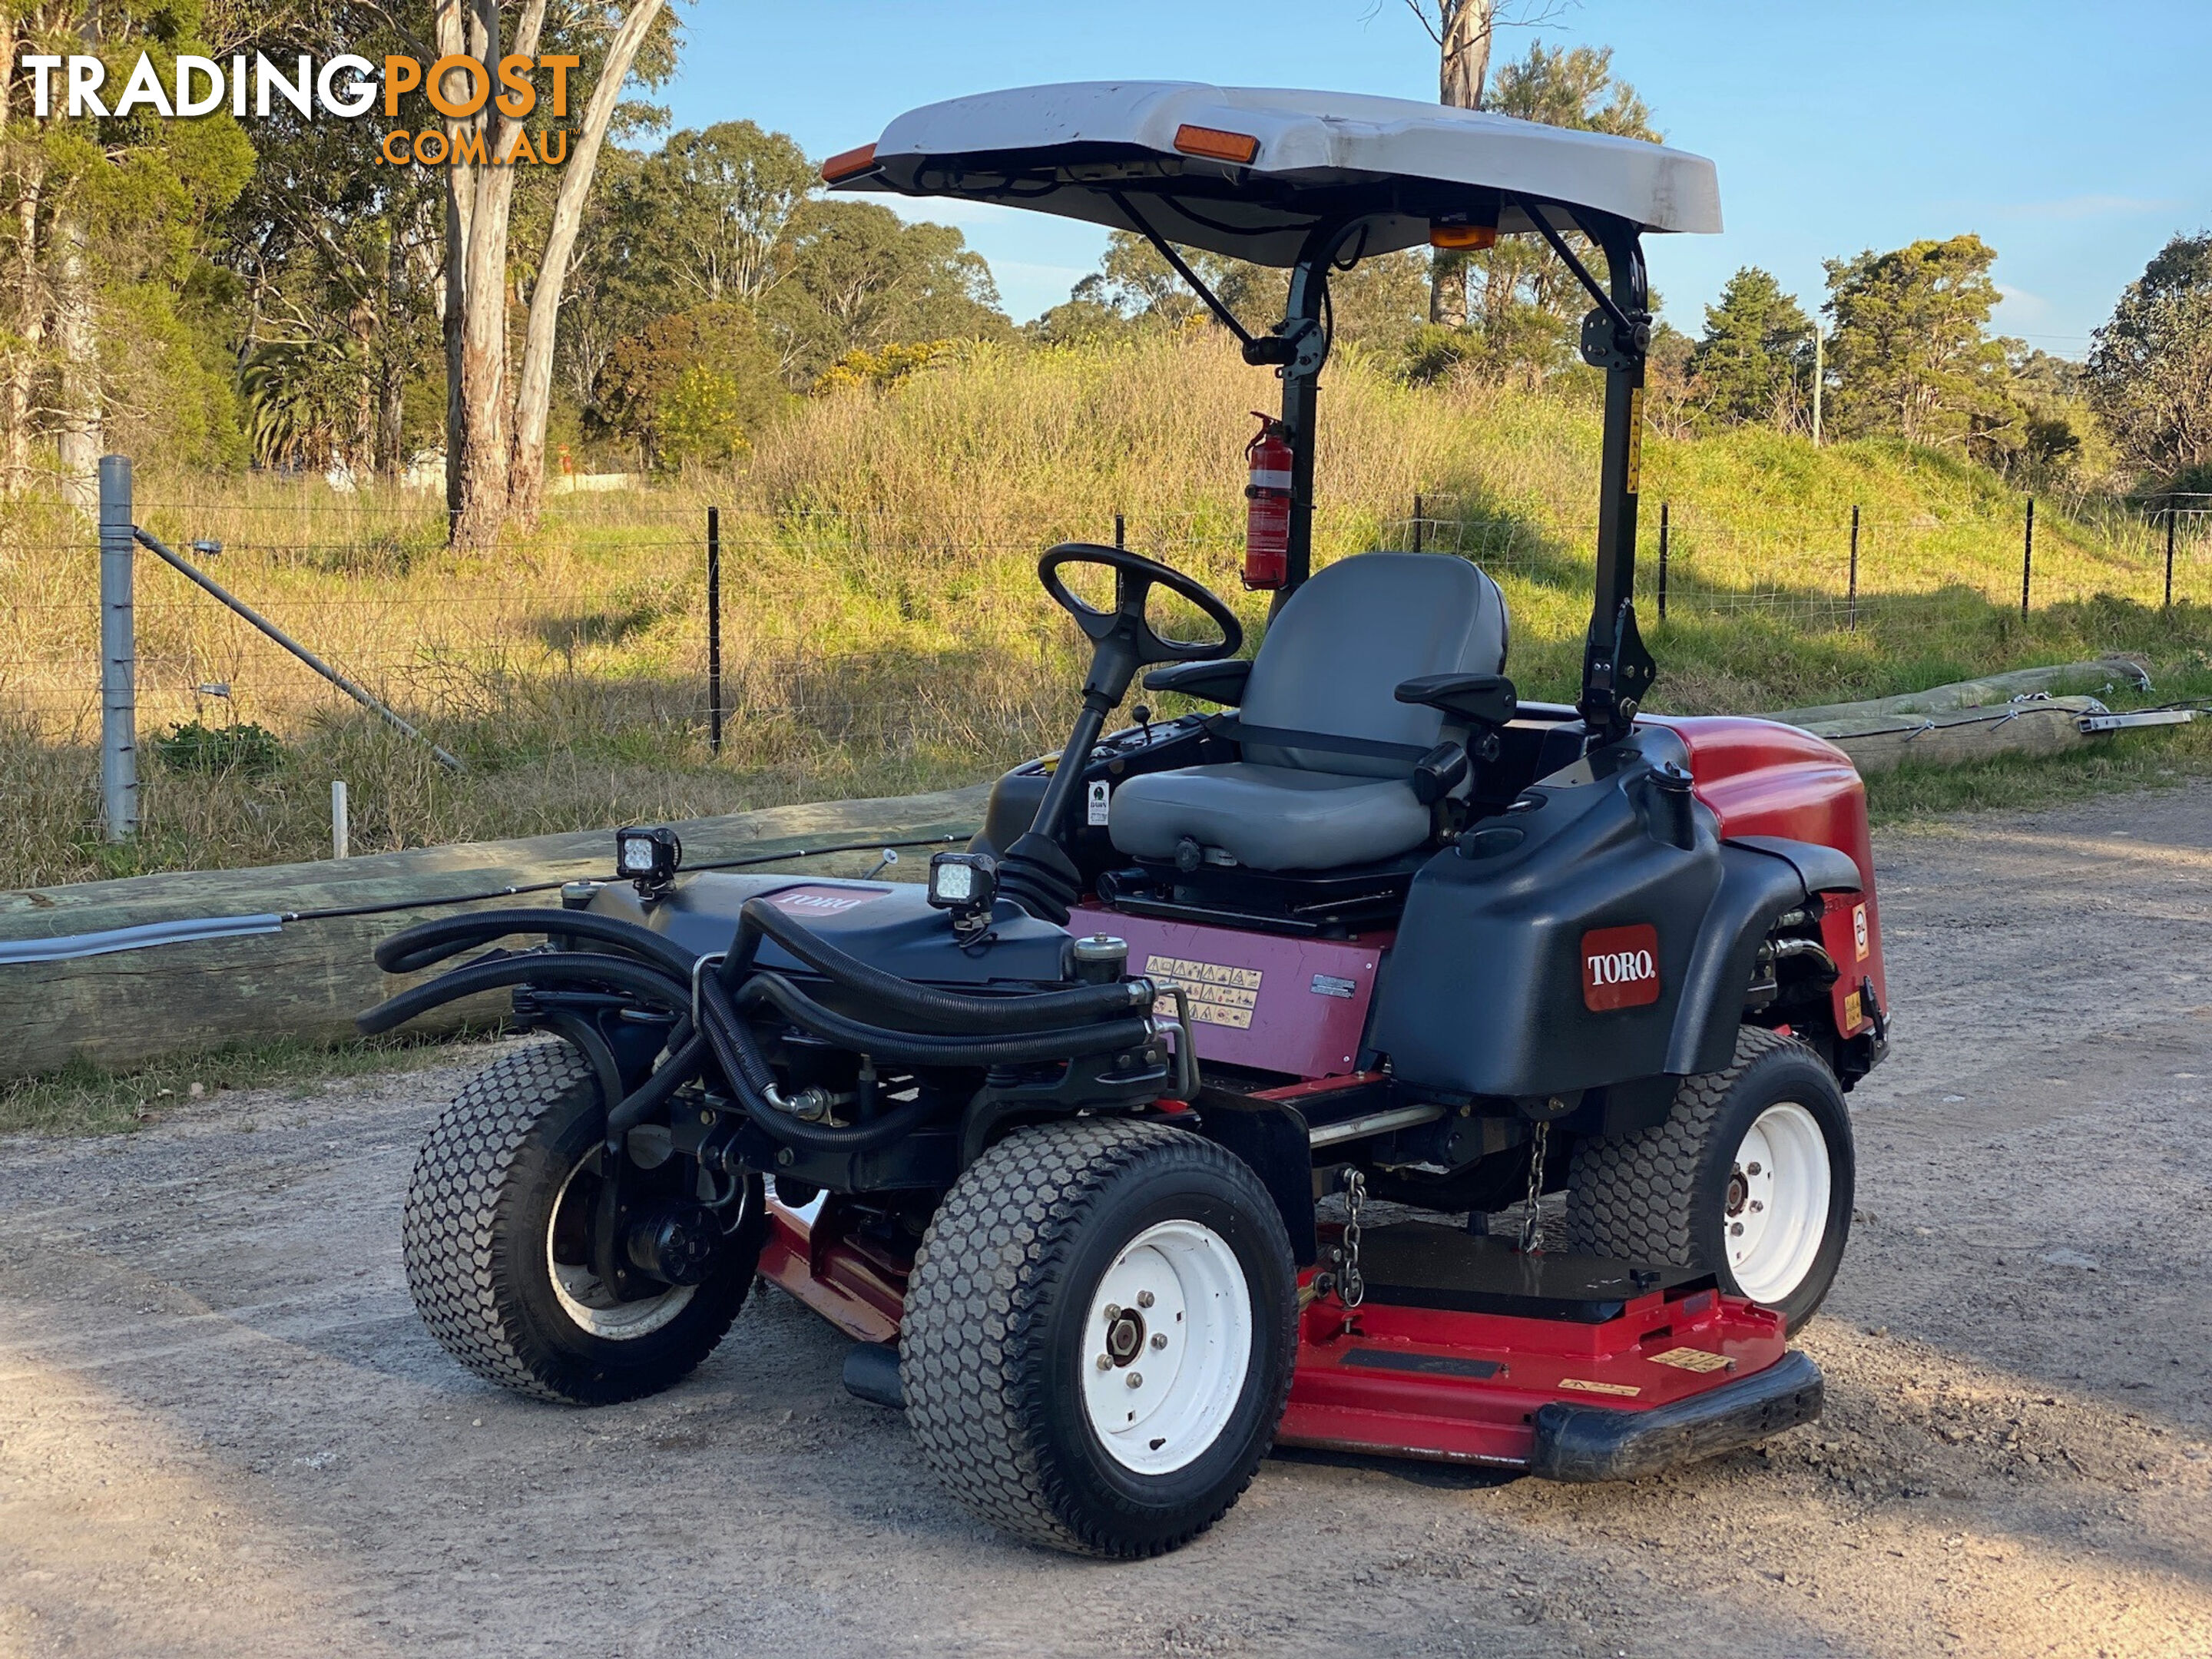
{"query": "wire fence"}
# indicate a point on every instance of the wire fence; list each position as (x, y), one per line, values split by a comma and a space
(866, 627)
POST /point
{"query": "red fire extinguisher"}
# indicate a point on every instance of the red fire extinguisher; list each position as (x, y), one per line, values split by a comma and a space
(1267, 506)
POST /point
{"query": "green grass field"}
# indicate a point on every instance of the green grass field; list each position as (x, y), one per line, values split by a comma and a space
(884, 628)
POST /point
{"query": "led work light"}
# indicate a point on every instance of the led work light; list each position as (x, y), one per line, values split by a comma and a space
(647, 857)
(967, 884)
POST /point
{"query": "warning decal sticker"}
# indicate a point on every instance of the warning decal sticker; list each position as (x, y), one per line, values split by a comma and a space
(1580, 1385)
(1219, 993)
(1691, 1360)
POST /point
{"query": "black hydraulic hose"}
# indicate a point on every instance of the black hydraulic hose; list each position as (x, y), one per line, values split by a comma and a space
(916, 1048)
(413, 948)
(533, 968)
(679, 1069)
(1035, 1011)
(741, 1062)
(726, 1033)
(736, 1049)
(580, 1036)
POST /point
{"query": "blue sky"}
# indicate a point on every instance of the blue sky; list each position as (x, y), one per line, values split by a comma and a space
(2073, 139)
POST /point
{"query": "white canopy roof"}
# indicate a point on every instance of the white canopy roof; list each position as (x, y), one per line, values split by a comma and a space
(1393, 162)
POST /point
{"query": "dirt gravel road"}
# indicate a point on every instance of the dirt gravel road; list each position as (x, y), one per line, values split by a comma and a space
(223, 1430)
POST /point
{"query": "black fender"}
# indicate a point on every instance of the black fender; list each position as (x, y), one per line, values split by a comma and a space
(1494, 988)
(1484, 991)
(1272, 1139)
(1822, 869)
(1761, 878)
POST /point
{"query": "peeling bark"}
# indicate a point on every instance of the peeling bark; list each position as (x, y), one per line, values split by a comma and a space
(534, 390)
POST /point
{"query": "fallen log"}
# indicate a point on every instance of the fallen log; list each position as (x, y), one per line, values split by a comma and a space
(243, 956)
(2044, 727)
(2103, 674)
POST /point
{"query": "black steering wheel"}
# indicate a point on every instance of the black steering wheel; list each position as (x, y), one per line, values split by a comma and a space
(1124, 636)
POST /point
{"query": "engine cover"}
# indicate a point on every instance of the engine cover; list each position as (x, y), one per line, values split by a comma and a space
(888, 925)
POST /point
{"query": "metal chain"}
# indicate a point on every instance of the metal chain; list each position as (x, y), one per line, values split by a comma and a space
(1531, 1221)
(1350, 1283)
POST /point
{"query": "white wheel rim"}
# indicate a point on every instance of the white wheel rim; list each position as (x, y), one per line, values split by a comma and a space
(591, 1305)
(1777, 1207)
(1166, 1347)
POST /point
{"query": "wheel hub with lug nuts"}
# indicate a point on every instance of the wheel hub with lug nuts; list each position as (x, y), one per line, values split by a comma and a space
(1778, 1202)
(1176, 1295)
(1125, 1335)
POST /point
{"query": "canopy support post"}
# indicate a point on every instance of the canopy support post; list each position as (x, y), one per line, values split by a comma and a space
(1617, 669)
(1300, 343)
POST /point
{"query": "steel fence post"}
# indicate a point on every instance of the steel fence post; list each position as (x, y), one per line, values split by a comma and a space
(715, 630)
(2027, 558)
(2169, 553)
(1664, 526)
(1851, 613)
(119, 654)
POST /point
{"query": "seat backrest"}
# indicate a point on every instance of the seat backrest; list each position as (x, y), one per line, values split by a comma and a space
(1344, 641)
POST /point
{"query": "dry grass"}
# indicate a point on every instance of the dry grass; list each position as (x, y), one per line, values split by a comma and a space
(884, 630)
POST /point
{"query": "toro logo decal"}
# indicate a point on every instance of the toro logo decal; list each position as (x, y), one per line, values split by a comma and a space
(816, 900)
(1621, 968)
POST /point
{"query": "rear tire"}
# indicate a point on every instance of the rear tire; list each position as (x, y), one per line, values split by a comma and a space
(497, 1282)
(1751, 1176)
(1007, 1324)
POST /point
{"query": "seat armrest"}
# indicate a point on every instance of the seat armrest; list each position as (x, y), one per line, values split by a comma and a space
(1476, 699)
(1221, 682)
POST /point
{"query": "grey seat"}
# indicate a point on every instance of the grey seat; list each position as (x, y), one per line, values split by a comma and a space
(1328, 667)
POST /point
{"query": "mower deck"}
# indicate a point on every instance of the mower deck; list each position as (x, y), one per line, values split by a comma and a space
(1568, 1366)
(1464, 1349)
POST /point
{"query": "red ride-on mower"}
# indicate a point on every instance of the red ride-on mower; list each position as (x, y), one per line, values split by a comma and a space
(1049, 1138)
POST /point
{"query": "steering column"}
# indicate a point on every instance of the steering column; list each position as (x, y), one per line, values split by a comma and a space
(1036, 871)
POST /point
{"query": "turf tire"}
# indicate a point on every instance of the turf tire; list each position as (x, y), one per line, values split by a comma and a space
(1660, 1194)
(475, 1238)
(995, 1333)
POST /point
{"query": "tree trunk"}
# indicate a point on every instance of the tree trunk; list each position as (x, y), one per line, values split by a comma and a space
(31, 325)
(476, 341)
(390, 367)
(452, 39)
(1465, 62)
(534, 393)
(1464, 67)
(77, 334)
(1448, 287)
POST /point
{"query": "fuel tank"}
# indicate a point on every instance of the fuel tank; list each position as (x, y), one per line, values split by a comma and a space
(886, 924)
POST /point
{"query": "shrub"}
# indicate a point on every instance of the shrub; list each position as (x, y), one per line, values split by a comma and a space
(240, 747)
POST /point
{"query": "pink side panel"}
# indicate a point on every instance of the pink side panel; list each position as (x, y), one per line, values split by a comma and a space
(1260, 1000)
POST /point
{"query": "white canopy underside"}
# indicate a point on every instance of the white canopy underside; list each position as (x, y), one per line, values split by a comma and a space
(1392, 163)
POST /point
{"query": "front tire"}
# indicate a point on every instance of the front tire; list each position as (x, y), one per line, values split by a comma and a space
(1751, 1176)
(1099, 1334)
(497, 1242)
